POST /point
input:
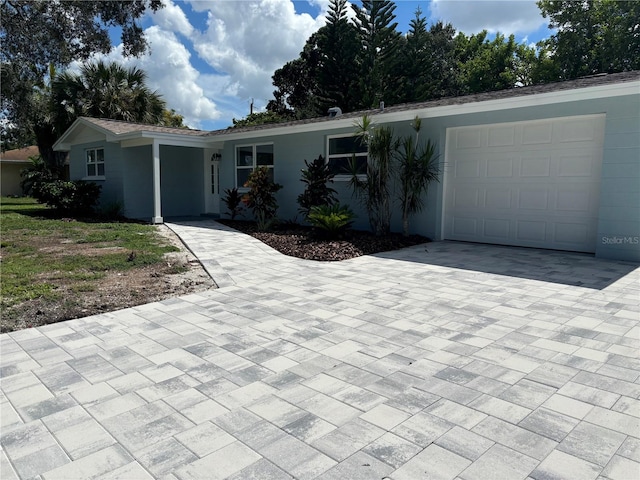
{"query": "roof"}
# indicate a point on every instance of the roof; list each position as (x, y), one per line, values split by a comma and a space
(591, 81)
(118, 127)
(135, 134)
(20, 155)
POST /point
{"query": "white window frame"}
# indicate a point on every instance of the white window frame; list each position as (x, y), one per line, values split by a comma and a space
(95, 163)
(254, 158)
(328, 156)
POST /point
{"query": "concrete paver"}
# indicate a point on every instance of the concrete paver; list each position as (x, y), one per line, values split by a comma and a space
(448, 360)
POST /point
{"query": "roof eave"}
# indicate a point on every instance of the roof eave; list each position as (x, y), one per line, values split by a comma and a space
(480, 106)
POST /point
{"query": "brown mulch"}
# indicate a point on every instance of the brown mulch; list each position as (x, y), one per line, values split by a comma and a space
(304, 242)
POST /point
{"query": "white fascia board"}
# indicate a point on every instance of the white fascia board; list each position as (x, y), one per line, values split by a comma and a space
(173, 139)
(63, 145)
(563, 96)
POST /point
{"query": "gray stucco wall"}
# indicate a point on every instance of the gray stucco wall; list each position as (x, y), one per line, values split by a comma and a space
(138, 182)
(619, 216)
(111, 191)
(181, 180)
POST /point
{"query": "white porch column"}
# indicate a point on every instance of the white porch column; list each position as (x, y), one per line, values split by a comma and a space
(157, 207)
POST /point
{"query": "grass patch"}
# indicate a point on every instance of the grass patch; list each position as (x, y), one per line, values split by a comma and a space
(49, 258)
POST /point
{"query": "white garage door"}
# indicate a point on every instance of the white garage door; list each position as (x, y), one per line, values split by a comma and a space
(532, 184)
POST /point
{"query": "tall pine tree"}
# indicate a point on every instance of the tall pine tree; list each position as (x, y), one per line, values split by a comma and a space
(378, 60)
(338, 71)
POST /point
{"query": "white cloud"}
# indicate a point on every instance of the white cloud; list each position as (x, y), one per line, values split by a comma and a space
(504, 16)
(249, 40)
(173, 19)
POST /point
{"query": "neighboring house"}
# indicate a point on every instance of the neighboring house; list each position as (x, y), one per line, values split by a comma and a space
(552, 166)
(12, 162)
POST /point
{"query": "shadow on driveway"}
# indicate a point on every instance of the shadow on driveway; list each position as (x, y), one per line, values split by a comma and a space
(567, 268)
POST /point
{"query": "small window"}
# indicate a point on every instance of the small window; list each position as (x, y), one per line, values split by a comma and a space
(250, 157)
(340, 151)
(95, 163)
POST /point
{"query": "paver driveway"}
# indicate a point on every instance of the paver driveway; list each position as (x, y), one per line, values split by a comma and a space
(455, 361)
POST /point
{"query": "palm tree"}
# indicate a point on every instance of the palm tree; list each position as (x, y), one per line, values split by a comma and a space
(104, 90)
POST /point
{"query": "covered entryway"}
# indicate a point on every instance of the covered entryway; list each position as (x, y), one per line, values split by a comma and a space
(532, 184)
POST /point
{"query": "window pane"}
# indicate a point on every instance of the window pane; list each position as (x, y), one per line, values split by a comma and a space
(342, 145)
(342, 165)
(100, 169)
(264, 154)
(100, 155)
(91, 170)
(91, 156)
(242, 175)
(244, 156)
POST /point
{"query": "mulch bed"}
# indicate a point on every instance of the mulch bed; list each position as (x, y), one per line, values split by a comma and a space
(304, 242)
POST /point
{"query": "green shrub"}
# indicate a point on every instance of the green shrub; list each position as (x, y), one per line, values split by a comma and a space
(232, 200)
(332, 220)
(261, 197)
(316, 192)
(112, 210)
(35, 176)
(76, 197)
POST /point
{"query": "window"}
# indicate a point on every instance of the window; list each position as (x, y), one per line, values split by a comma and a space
(95, 162)
(340, 151)
(249, 157)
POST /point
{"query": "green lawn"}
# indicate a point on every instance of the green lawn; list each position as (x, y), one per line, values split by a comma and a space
(49, 258)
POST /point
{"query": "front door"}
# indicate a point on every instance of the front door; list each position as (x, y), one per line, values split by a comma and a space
(214, 186)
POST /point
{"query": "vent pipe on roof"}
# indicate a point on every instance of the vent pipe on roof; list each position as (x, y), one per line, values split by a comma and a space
(335, 112)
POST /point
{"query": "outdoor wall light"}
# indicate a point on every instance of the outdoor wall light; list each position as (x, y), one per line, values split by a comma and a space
(216, 156)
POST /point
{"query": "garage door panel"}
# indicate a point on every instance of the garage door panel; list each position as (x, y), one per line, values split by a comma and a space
(576, 165)
(578, 130)
(535, 166)
(537, 134)
(574, 201)
(570, 233)
(533, 184)
(468, 168)
(469, 138)
(500, 167)
(531, 230)
(501, 136)
(465, 226)
(498, 198)
(497, 229)
(533, 199)
(466, 198)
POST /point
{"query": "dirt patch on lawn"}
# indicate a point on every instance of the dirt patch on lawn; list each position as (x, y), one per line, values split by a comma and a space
(179, 274)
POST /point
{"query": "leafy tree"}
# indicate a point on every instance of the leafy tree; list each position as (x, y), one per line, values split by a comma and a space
(594, 36)
(260, 118)
(172, 119)
(417, 168)
(378, 59)
(486, 65)
(442, 78)
(105, 90)
(296, 84)
(38, 34)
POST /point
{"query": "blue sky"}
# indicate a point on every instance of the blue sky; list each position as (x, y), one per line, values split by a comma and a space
(210, 58)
